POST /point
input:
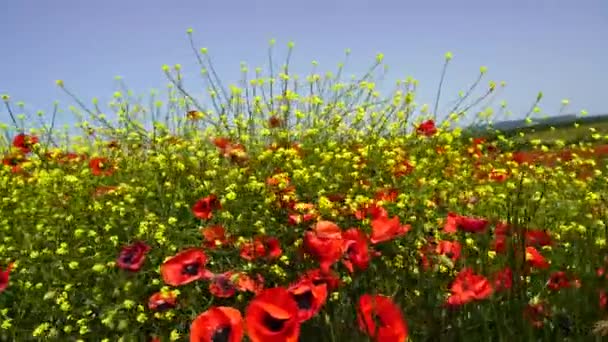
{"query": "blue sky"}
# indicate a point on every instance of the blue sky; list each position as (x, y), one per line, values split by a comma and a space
(555, 46)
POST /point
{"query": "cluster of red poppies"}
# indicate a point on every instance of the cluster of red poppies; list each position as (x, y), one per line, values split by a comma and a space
(275, 314)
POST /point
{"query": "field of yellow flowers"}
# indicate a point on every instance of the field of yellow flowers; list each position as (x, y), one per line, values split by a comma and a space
(292, 210)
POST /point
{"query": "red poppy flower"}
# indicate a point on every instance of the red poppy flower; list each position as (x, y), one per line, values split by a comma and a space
(273, 316)
(386, 195)
(385, 229)
(450, 249)
(221, 285)
(536, 314)
(185, 267)
(356, 250)
(4, 277)
(101, 166)
(502, 228)
(309, 297)
(243, 282)
(381, 319)
(305, 212)
(203, 208)
(468, 287)
(535, 259)
(325, 243)
(503, 280)
(25, 142)
(218, 323)
(70, 157)
(498, 175)
(162, 301)
(603, 299)
(372, 210)
(215, 236)
(537, 238)
(14, 161)
(558, 280)
(234, 151)
(318, 277)
(262, 247)
(132, 257)
(455, 222)
(427, 128)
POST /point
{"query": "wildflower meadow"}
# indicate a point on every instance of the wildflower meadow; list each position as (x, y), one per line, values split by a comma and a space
(284, 208)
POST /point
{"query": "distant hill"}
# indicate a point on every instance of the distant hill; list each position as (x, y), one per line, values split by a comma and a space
(512, 126)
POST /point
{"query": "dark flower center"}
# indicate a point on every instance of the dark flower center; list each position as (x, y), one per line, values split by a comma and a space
(222, 334)
(273, 324)
(223, 283)
(164, 306)
(377, 320)
(128, 256)
(304, 300)
(191, 269)
(318, 281)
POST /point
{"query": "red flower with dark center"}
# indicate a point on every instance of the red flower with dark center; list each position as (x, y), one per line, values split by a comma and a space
(221, 285)
(132, 257)
(468, 287)
(318, 277)
(262, 247)
(603, 299)
(503, 280)
(535, 259)
(558, 280)
(325, 243)
(273, 316)
(162, 301)
(25, 142)
(218, 323)
(455, 222)
(356, 250)
(385, 229)
(309, 297)
(203, 208)
(381, 319)
(215, 236)
(101, 166)
(427, 128)
(4, 277)
(185, 267)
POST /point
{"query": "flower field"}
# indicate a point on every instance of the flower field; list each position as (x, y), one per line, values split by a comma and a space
(297, 210)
